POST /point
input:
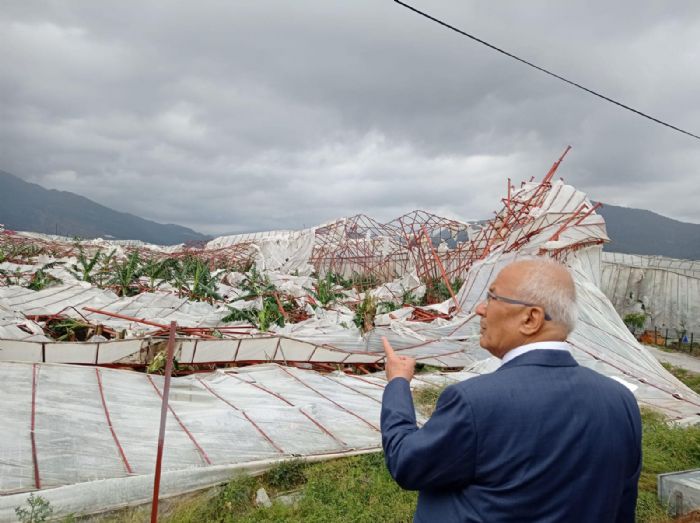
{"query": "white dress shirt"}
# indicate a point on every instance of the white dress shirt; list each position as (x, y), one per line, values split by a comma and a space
(548, 345)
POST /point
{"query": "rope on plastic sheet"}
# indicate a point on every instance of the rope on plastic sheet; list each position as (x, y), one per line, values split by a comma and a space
(203, 454)
(255, 425)
(286, 401)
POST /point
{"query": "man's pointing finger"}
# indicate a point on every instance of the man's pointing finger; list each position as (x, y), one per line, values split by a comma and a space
(388, 349)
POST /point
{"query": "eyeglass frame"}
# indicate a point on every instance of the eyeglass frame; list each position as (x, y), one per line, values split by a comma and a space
(491, 296)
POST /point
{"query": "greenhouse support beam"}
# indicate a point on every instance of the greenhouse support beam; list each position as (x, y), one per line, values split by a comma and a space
(163, 418)
(129, 318)
(35, 462)
(442, 269)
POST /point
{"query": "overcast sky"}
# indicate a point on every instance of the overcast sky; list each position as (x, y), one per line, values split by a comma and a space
(232, 116)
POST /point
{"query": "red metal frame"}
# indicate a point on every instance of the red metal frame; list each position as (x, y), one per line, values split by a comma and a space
(35, 461)
(163, 418)
(109, 422)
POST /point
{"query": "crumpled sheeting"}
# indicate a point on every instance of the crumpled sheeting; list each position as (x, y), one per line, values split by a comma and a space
(282, 251)
(601, 340)
(393, 291)
(667, 290)
(55, 300)
(15, 326)
(71, 300)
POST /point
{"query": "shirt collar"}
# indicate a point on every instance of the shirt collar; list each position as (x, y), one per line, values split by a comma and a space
(548, 345)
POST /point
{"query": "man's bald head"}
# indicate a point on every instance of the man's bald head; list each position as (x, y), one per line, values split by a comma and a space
(528, 301)
(548, 283)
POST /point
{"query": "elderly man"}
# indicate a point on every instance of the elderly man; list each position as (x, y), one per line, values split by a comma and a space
(540, 439)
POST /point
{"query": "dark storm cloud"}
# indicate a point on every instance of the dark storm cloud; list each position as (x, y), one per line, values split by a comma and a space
(234, 116)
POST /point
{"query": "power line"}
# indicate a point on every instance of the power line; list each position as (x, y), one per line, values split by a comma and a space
(542, 69)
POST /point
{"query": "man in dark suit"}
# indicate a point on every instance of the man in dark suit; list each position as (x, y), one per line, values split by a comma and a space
(540, 439)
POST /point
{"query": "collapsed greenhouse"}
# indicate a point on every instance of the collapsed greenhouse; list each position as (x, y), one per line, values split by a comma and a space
(278, 342)
(665, 290)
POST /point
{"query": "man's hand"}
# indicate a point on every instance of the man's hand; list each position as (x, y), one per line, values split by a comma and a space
(397, 366)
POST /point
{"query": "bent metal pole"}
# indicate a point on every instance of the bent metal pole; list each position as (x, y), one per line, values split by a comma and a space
(163, 417)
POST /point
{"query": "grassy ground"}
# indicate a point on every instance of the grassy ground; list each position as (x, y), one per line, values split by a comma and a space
(359, 489)
(687, 349)
(691, 379)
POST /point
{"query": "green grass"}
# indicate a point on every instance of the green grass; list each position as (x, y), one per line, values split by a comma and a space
(691, 379)
(665, 448)
(356, 489)
(425, 398)
(359, 489)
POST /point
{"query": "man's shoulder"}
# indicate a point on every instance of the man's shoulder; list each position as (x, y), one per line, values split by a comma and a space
(484, 384)
(613, 386)
(506, 378)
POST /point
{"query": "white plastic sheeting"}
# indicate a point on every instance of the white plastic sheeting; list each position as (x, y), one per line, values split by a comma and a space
(330, 335)
(92, 424)
(283, 251)
(665, 289)
(601, 341)
(251, 417)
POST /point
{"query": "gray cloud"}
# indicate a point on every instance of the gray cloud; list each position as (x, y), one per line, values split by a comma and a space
(237, 116)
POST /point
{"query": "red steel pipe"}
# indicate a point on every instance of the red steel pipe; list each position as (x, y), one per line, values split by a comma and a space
(35, 463)
(129, 318)
(163, 417)
(442, 269)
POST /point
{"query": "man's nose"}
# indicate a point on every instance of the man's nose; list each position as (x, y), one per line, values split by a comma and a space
(481, 308)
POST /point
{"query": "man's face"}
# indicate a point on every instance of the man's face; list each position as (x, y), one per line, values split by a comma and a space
(500, 321)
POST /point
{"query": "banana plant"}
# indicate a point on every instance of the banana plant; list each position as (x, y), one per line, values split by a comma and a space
(125, 275)
(42, 279)
(82, 270)
(193, 278)
(326, 292)
(365, 313)
(12, 277)
(158, 271)
(256, 284)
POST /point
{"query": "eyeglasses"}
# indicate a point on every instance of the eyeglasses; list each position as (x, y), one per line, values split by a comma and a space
(491, 296)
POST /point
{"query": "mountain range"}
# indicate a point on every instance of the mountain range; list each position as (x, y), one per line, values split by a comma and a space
(638, 231)
(29, 207)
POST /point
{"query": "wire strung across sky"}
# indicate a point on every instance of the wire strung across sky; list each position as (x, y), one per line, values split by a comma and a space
(550, 73)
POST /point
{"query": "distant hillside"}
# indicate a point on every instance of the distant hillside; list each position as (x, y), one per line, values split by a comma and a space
(636, 231)
(29, 207)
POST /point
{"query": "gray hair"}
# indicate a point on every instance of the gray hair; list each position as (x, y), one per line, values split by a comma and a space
(549, 284)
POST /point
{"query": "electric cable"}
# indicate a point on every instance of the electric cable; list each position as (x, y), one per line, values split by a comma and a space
(542, 69)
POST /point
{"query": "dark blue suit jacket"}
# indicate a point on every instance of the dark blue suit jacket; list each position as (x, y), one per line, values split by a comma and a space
(541, 439)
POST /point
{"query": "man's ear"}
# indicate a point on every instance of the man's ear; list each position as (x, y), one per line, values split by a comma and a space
(532, 321)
